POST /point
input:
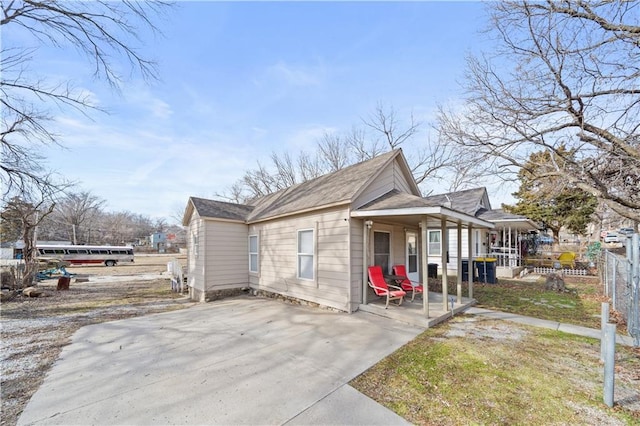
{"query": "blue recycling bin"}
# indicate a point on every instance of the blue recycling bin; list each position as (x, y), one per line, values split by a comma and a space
(465, 271)
(432, 270)
(486, 269)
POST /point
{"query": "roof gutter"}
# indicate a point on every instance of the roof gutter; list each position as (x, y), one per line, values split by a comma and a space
(436, 211)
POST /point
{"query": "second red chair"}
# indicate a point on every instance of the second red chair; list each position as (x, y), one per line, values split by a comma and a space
(407, 284)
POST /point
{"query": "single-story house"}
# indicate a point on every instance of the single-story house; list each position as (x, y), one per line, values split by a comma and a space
(315, 240)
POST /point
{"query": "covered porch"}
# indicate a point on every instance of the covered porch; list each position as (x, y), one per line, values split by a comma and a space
(512, 239)
(395, 230)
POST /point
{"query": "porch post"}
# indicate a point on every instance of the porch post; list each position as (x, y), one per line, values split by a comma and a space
(443, 255)
(425, 267)
(365, 259)
(459, 265)
(470, 261)
(510, 254)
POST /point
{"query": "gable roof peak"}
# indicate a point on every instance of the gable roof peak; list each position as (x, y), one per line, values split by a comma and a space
(333, 188)
(469, 201)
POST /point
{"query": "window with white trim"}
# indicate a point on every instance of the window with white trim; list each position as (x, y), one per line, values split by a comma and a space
(306, 254)
(195, 241)
(382, 250)
(434, 243)
(253, 253)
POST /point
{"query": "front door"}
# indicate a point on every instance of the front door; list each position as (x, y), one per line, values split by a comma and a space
(412, 257)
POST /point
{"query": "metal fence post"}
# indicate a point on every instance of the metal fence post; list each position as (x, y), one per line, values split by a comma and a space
(609, 363)
(604, 320)
(614, 275)
(605, 273)
(634, 307)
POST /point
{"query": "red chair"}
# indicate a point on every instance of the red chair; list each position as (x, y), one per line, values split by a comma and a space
(381, 288)
(407, 284)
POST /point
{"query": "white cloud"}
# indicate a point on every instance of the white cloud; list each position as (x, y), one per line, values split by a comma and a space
(140, 98)
(305, 139)
(298, 76)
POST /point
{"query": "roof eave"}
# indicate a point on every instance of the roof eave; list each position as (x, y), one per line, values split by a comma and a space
(220, 219)
(528, 221)
(298, 212)
(425, 211)
(188, 212)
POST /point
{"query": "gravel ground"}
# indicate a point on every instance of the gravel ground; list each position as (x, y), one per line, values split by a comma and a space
(34, 330)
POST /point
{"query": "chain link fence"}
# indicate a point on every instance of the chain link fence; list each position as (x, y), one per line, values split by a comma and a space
(621, 277)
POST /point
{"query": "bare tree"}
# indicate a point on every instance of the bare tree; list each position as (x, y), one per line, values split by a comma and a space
(334, 152)
(103, 30)
(381, 131)
(431, 159)
(362, 148)
(77, 212)
(566, 74)
(21, 216)
(309, 167)
(285, 170)
(385, 124)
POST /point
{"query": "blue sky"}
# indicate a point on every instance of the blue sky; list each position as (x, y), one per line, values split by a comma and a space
(240, 80)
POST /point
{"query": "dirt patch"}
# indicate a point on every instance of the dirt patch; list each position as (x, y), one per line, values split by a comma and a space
(34, 330)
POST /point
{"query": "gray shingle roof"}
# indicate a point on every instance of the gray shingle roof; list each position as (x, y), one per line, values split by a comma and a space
(499, 214)
(395, 199)
(467, 201)
(220, 209)
(330, 189)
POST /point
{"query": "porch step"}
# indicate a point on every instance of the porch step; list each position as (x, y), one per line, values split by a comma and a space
(412, 312)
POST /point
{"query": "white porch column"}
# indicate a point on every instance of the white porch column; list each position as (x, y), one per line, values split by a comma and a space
(459, 265)
(470, 261)
(510, 252)
(443, 254)
(425, 268)
(365, 259)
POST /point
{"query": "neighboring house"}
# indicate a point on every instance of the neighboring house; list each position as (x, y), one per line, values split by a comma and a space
(158, 240)
(508, 242)
(314, 241)
(7, 250)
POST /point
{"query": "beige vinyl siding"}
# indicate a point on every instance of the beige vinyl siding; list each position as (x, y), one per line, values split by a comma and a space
(195, 257)
(383, 183)
(398, 248)
(390, 178)
(400, 180)
(227, 255)
(278, 257)
(356, 243)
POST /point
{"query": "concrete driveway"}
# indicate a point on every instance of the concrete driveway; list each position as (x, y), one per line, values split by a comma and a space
(244, 360)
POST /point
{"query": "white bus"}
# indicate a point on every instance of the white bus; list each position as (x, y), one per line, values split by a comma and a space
(79, 255)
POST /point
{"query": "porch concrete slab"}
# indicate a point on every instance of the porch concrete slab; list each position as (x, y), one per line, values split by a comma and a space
(553, 325)
(413, 312)
(243, 360)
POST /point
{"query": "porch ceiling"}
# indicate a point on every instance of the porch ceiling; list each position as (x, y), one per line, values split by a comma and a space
(408, 209)
(414, 220)
(413, 217)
